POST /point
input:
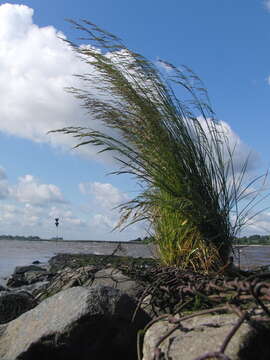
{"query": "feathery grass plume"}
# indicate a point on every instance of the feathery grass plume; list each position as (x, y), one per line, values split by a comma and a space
(176, 149)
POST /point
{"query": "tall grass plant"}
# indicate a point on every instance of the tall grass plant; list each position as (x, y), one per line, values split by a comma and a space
(177, 150)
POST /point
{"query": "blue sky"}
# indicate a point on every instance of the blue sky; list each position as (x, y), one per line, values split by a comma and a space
(225, 42)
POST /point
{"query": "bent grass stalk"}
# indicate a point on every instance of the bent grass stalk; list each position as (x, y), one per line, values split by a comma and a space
(177, 150)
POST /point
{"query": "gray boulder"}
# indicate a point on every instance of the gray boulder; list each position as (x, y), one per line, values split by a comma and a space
(203, 334)
(13, 304)
(77, 323)
(116, 279)
(27, 275)
(90, 276)
(66, 279)
(32, 277)
(24, 269)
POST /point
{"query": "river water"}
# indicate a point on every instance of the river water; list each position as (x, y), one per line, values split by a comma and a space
(17, 252)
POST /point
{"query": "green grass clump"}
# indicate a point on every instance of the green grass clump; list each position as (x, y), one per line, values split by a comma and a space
(176, 149)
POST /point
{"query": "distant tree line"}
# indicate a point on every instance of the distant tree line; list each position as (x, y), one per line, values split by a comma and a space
(144, 240)
(253, 240)
(19, 237)
(245, 240)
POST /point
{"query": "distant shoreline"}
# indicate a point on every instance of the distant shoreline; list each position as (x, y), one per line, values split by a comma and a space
(76, 241)
(252, 245)
(104, 241)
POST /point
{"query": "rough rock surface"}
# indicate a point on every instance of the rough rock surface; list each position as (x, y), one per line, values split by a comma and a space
(90, 276)
(13, 304)
(77, 323)
(66, 279)
(26, 275)
(24, 269)
(200, 335)
(116, 279)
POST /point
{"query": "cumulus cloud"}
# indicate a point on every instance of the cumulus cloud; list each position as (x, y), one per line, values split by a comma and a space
(29, 190)
(259, 225)
(240, 151)
(28, 219)
(35, 67)
(29, 201)
(30, 207)
(103, 201)
(65, 214)
(103, 222)
(105, 194)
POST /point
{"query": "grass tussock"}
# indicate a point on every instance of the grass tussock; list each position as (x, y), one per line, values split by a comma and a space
(177, 150)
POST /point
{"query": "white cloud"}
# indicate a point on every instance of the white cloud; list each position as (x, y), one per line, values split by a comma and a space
(103, 199)
(28, 219)
(106, 195)
(29, 190)
(65, 214)
(267, 4)
(35, 67)
(29, 203)
(85, 188)
(239, 150)
(259, 225)
(103, 222)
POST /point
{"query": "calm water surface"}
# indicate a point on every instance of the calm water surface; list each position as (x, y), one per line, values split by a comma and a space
(16, 252)
(253, 255)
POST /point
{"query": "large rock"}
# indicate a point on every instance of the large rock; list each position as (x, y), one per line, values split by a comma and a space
(26, 275)
(66, 279)
(77, 323)
(24, 269)
(13, 304)
(90, 276)
(203, 334)
(115, 278)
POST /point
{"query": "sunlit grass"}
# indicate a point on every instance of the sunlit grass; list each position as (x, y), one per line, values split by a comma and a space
(177, 151)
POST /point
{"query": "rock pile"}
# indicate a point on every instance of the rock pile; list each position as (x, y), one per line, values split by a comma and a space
(27, 275)
(79, 323)
(93, 311)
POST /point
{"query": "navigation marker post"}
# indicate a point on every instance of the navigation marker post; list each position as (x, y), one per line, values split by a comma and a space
(56, 224)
